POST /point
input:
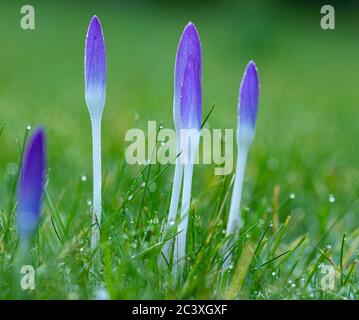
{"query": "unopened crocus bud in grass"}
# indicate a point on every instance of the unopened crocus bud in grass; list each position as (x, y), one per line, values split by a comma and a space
(247, 115)
(31, 186)
(95, 95)
(186, 46)
(187, 118)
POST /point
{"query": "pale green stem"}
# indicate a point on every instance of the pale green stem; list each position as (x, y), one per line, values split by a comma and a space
(180, 241)
(96, 205)
(176, 190)
(234, 219)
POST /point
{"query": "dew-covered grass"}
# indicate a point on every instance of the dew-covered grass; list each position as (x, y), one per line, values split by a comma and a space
(300, 202)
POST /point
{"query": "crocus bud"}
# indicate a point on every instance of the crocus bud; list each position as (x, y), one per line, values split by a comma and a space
(188, 76)
(95, 69)
(31, 185)
(248, 105)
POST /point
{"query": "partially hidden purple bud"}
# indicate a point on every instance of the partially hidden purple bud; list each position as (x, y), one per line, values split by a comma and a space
(187, 105)
(248, 102)
(31, 184)
(95, 68)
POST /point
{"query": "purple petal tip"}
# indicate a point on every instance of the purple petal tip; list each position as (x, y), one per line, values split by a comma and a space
(31, 183)
(188, 78)
(95, 66)
(248, 97)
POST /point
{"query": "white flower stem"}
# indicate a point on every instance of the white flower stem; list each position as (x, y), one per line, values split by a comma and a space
(176, 189)
(180, 243)
(234, 219)
(96, 209)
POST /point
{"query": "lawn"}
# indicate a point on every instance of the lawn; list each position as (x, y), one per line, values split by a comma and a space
(300, 202)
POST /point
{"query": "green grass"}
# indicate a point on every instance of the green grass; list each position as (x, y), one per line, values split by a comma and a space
(304, 147)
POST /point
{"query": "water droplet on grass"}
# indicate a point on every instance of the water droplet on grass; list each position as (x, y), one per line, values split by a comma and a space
(272, 164)
(331, 198)
(152, 187)
(73, 296)
(102, 294)
(83, 178)
(292, 196)
(12, 168)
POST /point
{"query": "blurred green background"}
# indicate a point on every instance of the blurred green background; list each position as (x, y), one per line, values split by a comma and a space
(307, 125)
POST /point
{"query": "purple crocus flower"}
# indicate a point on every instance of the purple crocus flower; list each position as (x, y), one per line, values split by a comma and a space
(188, 77)
(95, 68)
(95, 95)
(248, 102)
(187, 110)
(188, 118)
(247, 115)
(31, 184)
